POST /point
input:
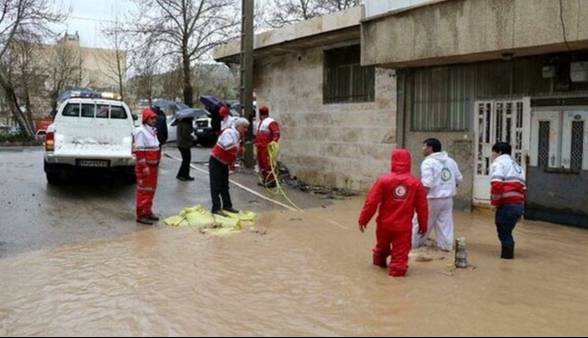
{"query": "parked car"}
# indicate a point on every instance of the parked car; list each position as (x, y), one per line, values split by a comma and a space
(172, 131)
(41, 126)
(89, 133)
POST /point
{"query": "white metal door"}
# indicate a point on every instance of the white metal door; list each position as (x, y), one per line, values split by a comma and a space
(546, 139)
(499, 121)
(560, 139)
(575, 140)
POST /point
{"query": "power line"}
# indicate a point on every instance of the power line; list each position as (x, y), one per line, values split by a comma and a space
(93, 19)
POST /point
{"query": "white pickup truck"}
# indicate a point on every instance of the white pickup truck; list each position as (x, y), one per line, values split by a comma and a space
(90, 134)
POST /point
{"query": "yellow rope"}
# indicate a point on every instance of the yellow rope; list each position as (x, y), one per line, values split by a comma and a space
(274, 151)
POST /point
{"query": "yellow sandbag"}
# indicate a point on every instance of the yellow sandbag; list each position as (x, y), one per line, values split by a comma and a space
(247, 216)
(174, 220)
(230, 222)
(199, 218)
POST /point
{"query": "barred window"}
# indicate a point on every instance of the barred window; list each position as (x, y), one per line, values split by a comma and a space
(345, 80)
(577, 156)
(442, 98)
(543, 151)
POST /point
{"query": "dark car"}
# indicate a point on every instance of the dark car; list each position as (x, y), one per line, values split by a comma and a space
(203, 130)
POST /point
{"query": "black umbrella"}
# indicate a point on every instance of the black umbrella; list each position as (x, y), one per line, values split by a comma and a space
(189, 113)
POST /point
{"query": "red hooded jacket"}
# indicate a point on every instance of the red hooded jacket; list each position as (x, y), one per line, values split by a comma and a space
(399, 195)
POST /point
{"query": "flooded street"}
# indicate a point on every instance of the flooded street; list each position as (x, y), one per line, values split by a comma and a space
(309, 275)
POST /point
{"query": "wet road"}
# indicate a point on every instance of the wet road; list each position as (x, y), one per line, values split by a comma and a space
(309, 275)
(35, 215)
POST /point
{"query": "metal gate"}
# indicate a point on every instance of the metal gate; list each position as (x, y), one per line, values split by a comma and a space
(499, 121)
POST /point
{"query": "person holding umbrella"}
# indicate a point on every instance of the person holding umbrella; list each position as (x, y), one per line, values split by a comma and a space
(213, 105)
(161, 125)
(184, 121)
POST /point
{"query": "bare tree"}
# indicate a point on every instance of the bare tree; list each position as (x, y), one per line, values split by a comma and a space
(339, 5)
(21, 20)
(285, 12)
(188, 29)
(65, 69)
(25, 72)
(116, 61)
(215, 79)
(172, 84)
(145, 66)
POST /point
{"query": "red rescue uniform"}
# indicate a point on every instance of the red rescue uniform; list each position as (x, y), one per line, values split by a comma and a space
(148, 156)
(399, 195)
(268, 132)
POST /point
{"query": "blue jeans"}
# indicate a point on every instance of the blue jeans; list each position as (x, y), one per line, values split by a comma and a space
(507, 217)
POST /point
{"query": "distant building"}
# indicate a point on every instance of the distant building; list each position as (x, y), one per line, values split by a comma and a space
(72, 65)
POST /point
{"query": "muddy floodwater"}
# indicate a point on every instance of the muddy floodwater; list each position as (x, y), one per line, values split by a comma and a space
(305, 274)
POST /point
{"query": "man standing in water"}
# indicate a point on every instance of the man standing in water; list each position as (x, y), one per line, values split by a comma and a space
(508, 194)
(440, 176)
(399, 195)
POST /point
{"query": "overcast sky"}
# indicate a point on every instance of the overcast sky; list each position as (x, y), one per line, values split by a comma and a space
(89, 17)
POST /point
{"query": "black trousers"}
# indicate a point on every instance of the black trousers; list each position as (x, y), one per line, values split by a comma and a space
(186, 159)
(219, 184)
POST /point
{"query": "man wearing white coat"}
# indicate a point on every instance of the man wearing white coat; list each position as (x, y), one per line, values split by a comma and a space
(441, 176)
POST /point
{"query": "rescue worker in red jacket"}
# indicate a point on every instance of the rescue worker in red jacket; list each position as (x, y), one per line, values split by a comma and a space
(227, 120)
(148, 155)
(508, 195)
(222, 159)
(399, 194)
(268, 131)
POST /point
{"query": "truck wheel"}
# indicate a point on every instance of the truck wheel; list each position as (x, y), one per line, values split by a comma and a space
(129, 176)
(54, 173)
(54, 178)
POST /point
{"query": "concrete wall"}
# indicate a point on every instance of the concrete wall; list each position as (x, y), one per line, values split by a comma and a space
(342, 145)
(473, 30)
(305, 29)
(558, 197)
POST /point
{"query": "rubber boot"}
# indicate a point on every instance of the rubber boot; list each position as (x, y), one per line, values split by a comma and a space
(507, 252)
(380, 261)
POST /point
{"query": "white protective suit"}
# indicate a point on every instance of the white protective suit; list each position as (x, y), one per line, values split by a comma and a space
(440, 174)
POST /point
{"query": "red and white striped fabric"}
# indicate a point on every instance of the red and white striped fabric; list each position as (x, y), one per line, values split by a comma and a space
(268, 131)
(148, 155)
(508, 182)
(146, 146)
(227, 147)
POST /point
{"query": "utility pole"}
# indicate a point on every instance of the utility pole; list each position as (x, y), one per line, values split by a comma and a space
(247, 36)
